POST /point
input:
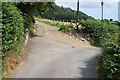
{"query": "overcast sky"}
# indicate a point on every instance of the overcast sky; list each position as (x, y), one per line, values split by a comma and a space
(93, 7)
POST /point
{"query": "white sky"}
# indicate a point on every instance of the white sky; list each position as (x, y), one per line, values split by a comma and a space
(87, 0)
(93, 7)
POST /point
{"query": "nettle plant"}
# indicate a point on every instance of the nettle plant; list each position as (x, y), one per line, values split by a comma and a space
(13, 28)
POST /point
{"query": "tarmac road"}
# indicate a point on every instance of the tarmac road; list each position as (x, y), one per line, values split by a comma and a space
(53, 54)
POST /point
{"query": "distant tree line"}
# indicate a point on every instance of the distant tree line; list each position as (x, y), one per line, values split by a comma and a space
(63, 14)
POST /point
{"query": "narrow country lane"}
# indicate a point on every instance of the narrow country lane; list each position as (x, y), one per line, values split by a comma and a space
(53, 54)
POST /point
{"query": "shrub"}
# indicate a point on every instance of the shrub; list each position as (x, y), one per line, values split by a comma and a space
(105, 35)
(109, 66)
(102, 33)
(64, 28)
(13, 27)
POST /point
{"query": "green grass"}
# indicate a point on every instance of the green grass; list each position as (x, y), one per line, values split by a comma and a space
(62, 27)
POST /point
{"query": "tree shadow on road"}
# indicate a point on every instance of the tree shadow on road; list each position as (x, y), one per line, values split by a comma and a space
(38, 35)
(89, 70)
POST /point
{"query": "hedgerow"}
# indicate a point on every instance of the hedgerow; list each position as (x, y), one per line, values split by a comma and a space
(102, 33)
(13, 28)
(105, 35)
(17, 17)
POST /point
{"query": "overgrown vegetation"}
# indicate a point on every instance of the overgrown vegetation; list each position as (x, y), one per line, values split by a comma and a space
(16, 18)
(105, 35)
(13, 28)
(102, 33)
(0, 41)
